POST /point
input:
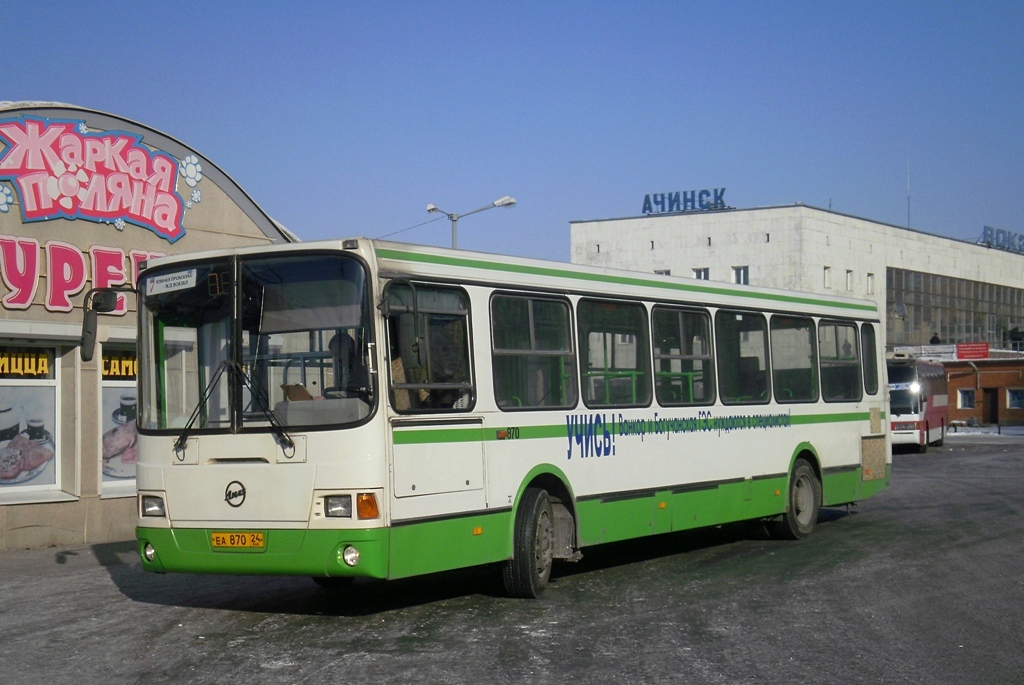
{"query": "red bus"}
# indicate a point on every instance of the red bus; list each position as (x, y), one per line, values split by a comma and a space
(919, 402)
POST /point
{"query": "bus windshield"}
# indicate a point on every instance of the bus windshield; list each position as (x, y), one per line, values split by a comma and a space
(902, 398)
(242, 343)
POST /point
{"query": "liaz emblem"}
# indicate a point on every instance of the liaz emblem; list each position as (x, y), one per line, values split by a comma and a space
(234, 494)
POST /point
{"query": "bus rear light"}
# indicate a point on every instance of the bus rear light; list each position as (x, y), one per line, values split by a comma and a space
(338, 506)
(366, 505)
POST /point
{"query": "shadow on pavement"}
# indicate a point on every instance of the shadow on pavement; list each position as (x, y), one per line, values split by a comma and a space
(301, 596)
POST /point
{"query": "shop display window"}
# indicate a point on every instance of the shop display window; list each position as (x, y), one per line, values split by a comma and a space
(119, 400)
(29, 458)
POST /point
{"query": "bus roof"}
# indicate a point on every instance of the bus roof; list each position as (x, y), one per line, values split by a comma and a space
(408, 260)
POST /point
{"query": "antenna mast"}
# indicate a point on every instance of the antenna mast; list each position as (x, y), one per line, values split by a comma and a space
(908, 190)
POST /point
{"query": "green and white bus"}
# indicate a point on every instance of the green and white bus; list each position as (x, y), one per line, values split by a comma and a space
(362, 408)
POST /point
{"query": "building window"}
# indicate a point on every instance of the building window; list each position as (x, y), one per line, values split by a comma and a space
(701, 274)
(871, 284)
(663, 272)
(849, 281)
(29, 408)
(1015, 398)
(966, 399)
(828, 277)
(741, 275)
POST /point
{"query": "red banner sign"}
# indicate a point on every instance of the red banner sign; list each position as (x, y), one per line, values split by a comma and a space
(969, 351)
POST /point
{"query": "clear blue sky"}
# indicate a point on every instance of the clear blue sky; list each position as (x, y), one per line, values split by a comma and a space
(348, 118)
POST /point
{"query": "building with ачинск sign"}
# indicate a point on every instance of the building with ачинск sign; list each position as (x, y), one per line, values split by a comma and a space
(85, 199)
(955, 301)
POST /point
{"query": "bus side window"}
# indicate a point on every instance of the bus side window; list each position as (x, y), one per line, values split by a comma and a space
(534, 364)
(614, 354)
(794, 359)
(840, 363)
(742, 339)
(870, 355)
(428, 349)
(683, 369)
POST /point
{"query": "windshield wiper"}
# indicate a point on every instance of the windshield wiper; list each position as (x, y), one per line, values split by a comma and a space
(286, 440)
(264, 406)
(179, 444)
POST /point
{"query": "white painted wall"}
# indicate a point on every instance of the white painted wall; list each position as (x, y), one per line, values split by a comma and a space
(786, 247)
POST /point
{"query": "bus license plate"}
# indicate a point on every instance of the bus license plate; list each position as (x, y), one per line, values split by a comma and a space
(237, 540)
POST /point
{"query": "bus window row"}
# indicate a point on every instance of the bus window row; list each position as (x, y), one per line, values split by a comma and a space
(683, 356)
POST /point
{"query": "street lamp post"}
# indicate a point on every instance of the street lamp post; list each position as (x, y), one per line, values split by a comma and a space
(454, 218)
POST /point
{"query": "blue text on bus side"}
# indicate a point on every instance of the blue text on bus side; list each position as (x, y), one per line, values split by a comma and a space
(594, 435)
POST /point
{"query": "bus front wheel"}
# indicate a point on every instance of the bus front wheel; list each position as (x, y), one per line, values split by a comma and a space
(802, 507)
(526, 574)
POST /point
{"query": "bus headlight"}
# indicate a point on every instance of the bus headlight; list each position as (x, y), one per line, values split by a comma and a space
(149, 552)
(338, 506)
(153, 506)
(350, 555)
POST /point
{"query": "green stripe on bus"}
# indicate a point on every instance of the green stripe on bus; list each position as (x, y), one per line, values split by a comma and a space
(830, 418)
(617, 280)
(426, 436)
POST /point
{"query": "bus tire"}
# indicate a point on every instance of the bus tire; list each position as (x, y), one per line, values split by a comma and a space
(802, 506)
(526, 574)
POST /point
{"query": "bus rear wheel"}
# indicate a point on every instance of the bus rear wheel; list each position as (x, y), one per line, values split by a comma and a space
(802, 507)
(526, 574)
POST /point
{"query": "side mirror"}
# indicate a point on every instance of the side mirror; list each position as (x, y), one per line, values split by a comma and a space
(97, 301)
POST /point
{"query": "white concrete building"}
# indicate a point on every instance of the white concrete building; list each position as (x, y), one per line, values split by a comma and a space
(928, 285)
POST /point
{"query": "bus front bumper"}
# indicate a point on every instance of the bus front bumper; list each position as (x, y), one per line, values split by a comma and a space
(284, 552)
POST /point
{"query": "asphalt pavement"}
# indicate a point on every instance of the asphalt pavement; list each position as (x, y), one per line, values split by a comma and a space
(921, 584)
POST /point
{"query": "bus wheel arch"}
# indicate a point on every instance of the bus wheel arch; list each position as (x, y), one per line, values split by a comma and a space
(808, 453)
